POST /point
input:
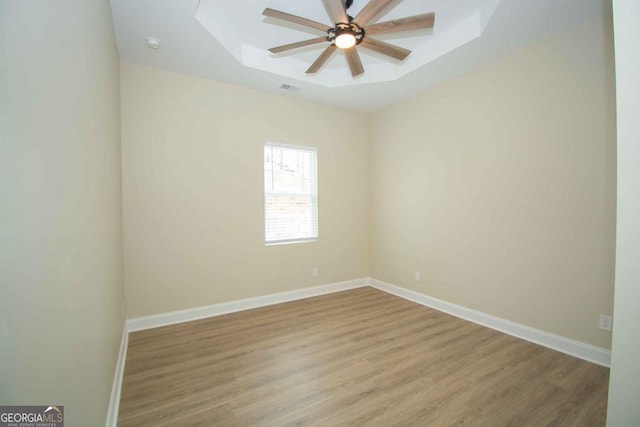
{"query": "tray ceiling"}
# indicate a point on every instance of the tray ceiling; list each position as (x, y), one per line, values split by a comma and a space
(247, 35)
(227, 41)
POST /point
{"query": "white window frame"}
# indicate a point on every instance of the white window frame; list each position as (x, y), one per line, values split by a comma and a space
(313, 195)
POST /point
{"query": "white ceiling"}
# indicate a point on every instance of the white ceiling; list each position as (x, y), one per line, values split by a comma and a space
(493, 28)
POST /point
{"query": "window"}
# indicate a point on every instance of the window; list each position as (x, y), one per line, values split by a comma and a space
(290, 193)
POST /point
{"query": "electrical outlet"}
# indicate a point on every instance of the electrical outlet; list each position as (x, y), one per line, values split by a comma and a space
(418, 276)
(606, 322)
(314, 271)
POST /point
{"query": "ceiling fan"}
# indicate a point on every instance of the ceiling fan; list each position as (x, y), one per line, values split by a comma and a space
(349, 32)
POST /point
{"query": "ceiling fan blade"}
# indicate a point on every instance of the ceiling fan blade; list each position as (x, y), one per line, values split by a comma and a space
(355, 64)
(271, 13)
(385, 48)
(336, 10)
(370, 11)
(297, 45)
(417, 22)
(324, 57)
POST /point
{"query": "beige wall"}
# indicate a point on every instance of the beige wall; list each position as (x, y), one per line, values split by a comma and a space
(624, 386)
(60, 206)
(499, 187)
(193, 192)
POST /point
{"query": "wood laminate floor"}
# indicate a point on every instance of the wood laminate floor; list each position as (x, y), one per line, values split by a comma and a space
(360, 357)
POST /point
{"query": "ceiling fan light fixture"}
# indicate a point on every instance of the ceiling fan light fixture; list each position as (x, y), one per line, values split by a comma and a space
(345, 36)
(345, 41)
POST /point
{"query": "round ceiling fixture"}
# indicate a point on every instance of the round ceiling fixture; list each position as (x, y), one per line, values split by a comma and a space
(345, 36)
(345, 41)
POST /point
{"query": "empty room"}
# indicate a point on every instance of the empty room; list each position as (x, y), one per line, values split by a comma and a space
(323, 213)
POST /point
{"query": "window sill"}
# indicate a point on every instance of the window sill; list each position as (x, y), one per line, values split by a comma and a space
(290, 242)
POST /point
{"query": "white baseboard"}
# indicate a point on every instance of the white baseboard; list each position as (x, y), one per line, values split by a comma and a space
(568, 346)
(116, 388)
(171, 318)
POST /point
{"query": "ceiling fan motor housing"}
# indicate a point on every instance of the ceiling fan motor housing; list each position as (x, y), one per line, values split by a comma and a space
(343, 28)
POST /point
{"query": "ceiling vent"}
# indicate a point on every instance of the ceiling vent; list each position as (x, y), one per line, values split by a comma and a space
(290, 88)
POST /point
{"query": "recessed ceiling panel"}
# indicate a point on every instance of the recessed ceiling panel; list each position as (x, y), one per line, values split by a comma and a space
(242, 29)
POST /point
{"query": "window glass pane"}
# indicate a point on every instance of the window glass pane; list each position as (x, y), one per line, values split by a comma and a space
(290, 175)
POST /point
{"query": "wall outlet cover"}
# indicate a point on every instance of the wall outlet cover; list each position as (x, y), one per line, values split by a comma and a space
(606, 322)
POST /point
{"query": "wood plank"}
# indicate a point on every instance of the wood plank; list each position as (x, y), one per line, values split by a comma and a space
(410, 23)
(335, 9)
(283, 16)
(322, 59)
(298, 45)
(387, 49)
(359, 357)
(372, 9)
(353, 59)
